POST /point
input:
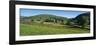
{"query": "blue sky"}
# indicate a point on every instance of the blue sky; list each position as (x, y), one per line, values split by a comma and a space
(63, 13)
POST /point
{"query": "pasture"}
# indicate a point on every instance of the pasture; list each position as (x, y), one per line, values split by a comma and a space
(49, 29)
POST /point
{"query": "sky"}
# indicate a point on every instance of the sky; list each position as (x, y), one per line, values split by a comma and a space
(63, 13)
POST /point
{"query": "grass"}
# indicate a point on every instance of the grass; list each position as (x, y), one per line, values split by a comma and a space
(48, 29)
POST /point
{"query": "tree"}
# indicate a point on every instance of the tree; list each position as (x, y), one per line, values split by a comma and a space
(84, 21)
(68, 22)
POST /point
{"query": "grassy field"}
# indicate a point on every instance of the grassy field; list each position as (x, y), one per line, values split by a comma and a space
(48, 29)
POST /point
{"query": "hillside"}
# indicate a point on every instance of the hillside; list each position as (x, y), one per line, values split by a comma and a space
(82, 20)
(47, 18)
(83, 17)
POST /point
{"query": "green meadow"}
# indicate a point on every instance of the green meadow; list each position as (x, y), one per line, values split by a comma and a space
(48, 29)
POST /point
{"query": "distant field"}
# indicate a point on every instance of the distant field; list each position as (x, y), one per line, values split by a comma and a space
(48, 29)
